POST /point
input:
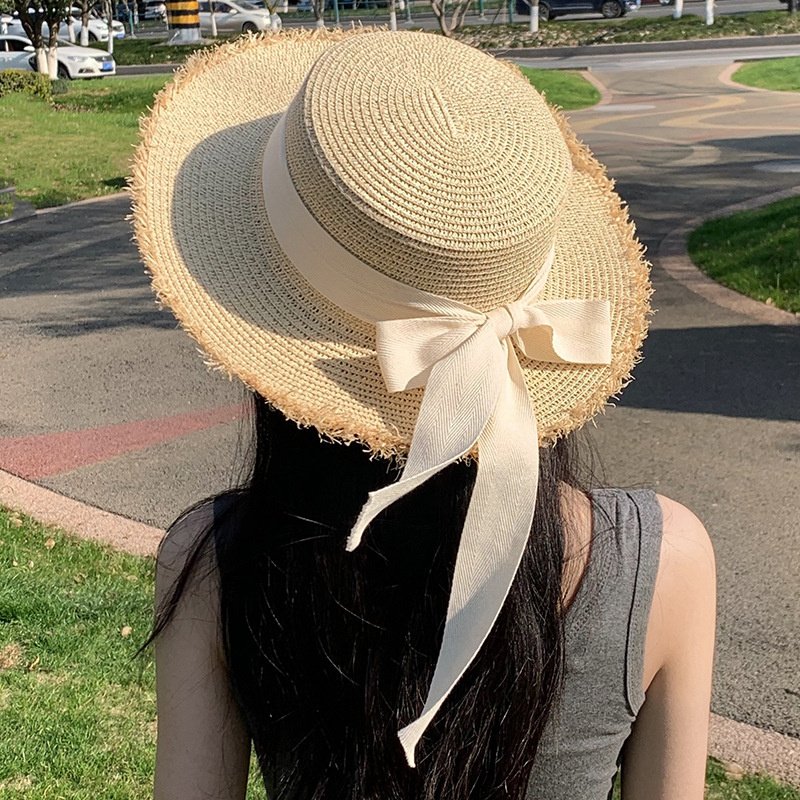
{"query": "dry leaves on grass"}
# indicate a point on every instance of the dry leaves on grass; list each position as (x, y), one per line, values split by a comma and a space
(50, 543)
(126, 631)
(10, 656)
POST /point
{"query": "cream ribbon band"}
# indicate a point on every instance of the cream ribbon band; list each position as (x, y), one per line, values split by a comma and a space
(475, 393)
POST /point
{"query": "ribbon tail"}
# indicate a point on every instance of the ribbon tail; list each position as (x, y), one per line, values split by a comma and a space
(493, 541)
(461, 394)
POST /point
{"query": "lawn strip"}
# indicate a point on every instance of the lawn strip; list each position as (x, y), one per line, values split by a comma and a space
(755, 253)
(78, 711)
(78, 147)
(564, 88)
(777, 74)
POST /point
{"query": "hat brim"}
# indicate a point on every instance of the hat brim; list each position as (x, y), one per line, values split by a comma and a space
(205, 238)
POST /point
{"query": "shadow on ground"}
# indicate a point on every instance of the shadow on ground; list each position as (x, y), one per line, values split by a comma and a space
(744, 371)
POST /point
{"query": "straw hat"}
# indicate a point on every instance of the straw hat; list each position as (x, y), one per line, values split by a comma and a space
(431, 162)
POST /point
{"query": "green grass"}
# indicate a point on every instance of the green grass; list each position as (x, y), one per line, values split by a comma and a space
(78, 711)
(779, 74)
(80, 146)
(564, 88)
(77, 714)
(756, 253)
(151, 51)
(567, 33)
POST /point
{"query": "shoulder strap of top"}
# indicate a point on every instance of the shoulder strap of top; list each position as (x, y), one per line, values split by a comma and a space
(648, 510)
(621, 575)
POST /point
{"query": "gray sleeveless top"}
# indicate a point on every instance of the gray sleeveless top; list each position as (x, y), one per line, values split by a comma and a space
(605, 636)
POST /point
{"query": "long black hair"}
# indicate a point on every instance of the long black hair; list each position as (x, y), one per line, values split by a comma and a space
(329, 653)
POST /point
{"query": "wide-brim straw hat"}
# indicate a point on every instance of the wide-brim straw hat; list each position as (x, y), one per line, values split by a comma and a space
(458, 184)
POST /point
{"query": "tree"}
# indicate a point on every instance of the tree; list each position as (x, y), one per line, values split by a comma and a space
(46, 12)
(108, 15)
(86, 9)
(709, 12)
(318, 7)
(678, 12)
(793, 6)
(457, 9)
(392, 15)
(533, 24)
(275, 23)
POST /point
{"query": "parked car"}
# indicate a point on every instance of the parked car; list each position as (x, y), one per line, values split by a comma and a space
(241, 16)
(305, 5)
(16, 52)
(153, 9)
(98, 30)
(95, 29)
(549, 9)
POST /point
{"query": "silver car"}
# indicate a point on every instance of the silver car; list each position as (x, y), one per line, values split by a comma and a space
(235, 17)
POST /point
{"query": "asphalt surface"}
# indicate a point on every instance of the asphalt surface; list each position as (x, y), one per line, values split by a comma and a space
(104, 400)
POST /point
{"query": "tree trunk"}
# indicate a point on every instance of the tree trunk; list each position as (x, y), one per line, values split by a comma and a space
(108, 13)
(41, 61)
(392, 15)
(85, 27)
(71, 28)
(709, 12)
(533, 25)
(275, 23)
(678, 12)
(793, 6)
(213, 20)
(52, 62)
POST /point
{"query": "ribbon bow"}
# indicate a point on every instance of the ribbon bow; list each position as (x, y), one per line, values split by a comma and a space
(475, 394)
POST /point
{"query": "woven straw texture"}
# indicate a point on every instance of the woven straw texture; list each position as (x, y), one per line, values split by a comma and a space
(430, 161)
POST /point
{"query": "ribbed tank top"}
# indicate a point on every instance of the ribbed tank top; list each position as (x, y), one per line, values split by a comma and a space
(606, 626)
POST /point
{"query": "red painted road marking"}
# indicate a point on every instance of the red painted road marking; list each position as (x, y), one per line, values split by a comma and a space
(49, 454)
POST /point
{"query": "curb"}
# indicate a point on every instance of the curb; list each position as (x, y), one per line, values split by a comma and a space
(673, 256)
(719, 43)
(77, 517)
(38, 212)
(605, 94)
(726, 78)
(754, 749)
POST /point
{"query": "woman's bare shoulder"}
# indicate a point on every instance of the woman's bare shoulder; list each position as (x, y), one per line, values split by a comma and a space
(685, 590)
(686, 547)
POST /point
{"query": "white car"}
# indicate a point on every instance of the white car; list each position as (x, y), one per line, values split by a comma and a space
(16, 52)
(98, 30)
(235, 17)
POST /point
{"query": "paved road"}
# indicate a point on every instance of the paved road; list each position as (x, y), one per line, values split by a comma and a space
(104, 400)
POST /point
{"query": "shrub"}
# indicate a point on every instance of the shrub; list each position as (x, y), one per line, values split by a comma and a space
(59, 86)
(18, 80)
